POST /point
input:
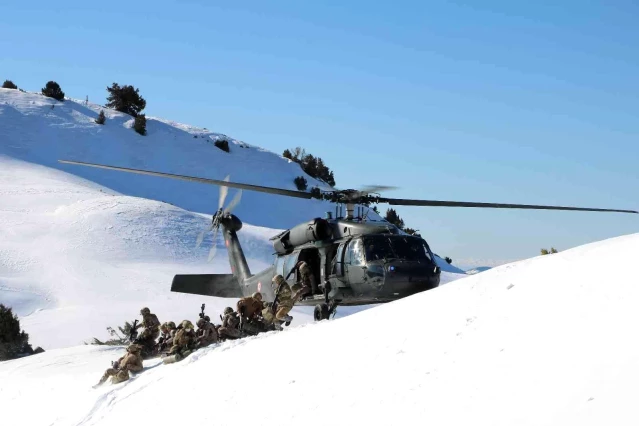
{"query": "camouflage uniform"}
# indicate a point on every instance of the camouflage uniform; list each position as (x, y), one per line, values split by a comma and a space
(184, 338)
(167, 331)
(151, 331)
(132, 361)
(230, 324)
(249, 307)
(206, 333)
(285, 299)
(307, 280)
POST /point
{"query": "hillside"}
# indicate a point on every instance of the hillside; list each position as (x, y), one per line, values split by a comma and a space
(33, 131)
(77, 256)
(542, 341)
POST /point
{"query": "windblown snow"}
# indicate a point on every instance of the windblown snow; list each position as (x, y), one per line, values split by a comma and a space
(542, 341)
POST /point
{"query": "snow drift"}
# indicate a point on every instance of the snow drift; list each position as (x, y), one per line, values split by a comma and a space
(545, 341)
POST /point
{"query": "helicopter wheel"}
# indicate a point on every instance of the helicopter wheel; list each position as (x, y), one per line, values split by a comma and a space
(321, 312)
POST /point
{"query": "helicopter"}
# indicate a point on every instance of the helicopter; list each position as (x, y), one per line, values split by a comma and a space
(354, 261)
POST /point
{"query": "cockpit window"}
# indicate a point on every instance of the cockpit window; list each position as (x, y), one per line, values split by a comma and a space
(396, 247)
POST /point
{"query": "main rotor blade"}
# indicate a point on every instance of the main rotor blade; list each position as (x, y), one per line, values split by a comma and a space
(433, 203)
(267, 189)
(223, 191)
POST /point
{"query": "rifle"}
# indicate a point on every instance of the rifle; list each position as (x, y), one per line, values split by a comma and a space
(202, 315)
(133, 334)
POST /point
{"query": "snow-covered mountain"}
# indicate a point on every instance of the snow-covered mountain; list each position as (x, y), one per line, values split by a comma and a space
(80, 254)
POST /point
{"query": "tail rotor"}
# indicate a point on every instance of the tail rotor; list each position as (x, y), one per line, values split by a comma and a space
(216, 218)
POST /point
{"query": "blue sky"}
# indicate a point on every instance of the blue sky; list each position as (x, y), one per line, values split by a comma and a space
(504, 102)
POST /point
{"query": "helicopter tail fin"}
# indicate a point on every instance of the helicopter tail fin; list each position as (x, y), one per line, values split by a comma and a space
(218, 285)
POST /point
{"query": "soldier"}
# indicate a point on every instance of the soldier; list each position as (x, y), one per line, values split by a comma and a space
(249, 307)
(307, 279)
(184, 339)
(168, 331)
(206, 333)
(285, 299)
(230, 325)
(151, 331)
(132, 361)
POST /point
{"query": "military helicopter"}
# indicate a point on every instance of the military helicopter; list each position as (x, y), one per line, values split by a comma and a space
(354, 261)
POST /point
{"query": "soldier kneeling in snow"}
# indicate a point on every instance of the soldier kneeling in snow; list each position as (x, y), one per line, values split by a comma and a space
(230, 328)
(206, 333)
(132, 361)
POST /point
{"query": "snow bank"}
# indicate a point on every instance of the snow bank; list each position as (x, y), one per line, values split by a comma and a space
(545, 341)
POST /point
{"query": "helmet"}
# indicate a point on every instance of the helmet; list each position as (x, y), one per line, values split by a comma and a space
(170, 325)
(187, 324)
(145, 311)
(134, 348)
(164, 328)
(228, 310)
(278, 279)
(304, 268)
(257, 295)
(201, 322)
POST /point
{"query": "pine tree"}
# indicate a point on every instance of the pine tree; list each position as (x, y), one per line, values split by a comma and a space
(13, 341)
(8, 84)
(101, 118)
(140, 124)
(393, 217)
(53, 90)
(125, 99)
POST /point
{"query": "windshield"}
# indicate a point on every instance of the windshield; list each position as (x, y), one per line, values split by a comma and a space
(396, 247)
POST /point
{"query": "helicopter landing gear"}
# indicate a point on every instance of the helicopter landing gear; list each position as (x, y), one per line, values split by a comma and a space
(325, 310)
(321, 312)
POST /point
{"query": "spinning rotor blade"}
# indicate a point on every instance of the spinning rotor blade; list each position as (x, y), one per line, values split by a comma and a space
(433, 203)
(200, 237)
(213, 245)
(267, 189)
(234, 202)
(223, 191)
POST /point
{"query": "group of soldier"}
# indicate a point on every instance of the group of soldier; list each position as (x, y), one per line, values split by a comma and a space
(174, 342)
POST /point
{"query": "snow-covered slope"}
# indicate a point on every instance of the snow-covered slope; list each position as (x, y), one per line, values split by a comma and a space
(478, 269)
(76, 256)
(546, 341)
(33, 131)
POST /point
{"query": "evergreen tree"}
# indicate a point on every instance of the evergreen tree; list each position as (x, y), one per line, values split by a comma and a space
(8, 84)
(301, 183)
(13, 341)
(125, 99)
(140, 124)
(393, 217)
(101, 118)
(53, 90)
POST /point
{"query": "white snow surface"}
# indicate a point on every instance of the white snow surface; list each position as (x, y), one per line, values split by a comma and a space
(545, 341)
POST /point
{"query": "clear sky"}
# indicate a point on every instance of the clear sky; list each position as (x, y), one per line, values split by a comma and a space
(505, 102)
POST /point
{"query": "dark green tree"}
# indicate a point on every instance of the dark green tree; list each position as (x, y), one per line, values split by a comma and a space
(8, 84)
(13, 341)
(393, 217)
(101, 118)
(140, 124)
(53, 90)
(301, 183)
(223, 144)
(125, 99)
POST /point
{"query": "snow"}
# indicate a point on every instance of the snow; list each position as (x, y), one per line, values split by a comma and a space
(544, 341)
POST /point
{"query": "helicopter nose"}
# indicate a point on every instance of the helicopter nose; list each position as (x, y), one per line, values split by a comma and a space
(406, 278)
